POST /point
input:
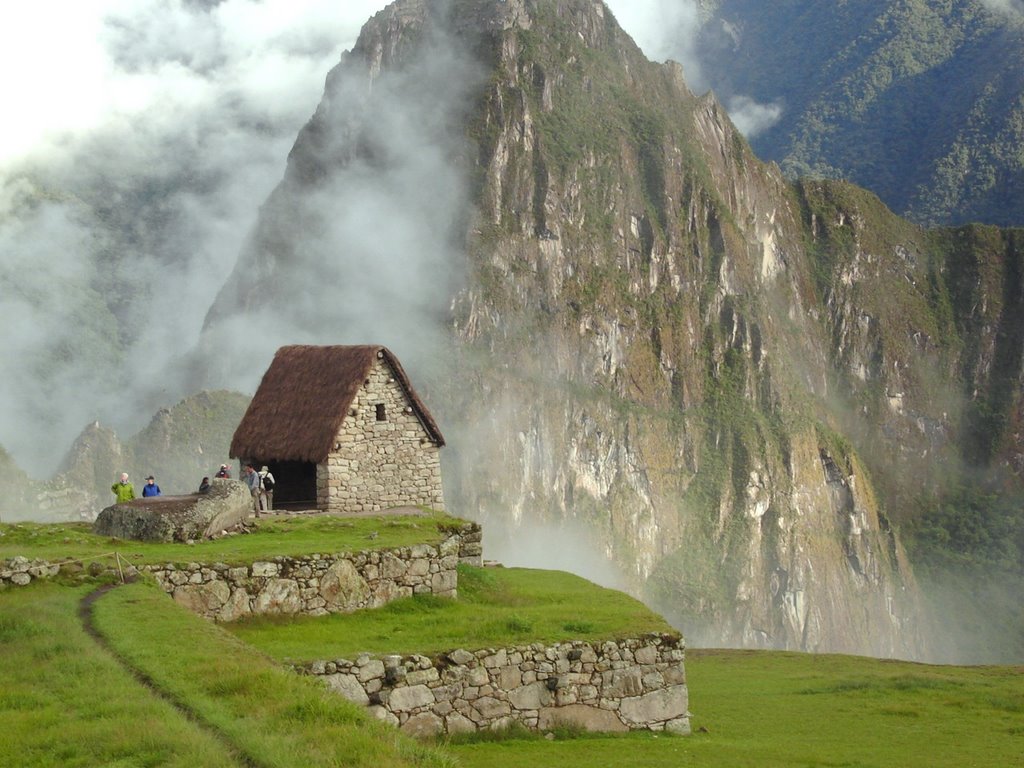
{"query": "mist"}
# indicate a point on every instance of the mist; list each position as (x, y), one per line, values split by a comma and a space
(128, 182)
(1012, 8)
(131, 180)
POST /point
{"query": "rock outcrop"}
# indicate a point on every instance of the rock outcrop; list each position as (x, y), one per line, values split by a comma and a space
(726, 379)
(178, 518)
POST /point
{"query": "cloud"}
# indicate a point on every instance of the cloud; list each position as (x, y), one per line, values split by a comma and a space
(1011, 8)
(751, 117)
(363, 238)
(668, 29)
(664, 29)
(139, 140)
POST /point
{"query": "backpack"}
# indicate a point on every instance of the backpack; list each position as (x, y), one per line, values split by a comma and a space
(268, 482)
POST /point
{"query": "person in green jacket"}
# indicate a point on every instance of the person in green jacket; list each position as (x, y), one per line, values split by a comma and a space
(123, 490)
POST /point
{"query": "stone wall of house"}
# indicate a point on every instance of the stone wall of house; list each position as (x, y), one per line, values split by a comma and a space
(612, 686)
(380, 462)
(315, 585)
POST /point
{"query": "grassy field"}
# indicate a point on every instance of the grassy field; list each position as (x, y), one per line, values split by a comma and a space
(773, 709)
(277, 535)
(63, 701)
(496, 607)
(207, 699)
(164, 688)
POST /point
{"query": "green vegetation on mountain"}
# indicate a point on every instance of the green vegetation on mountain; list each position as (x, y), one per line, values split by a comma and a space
(918, 100)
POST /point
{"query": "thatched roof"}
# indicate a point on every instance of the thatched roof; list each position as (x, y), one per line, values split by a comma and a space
(304, 397)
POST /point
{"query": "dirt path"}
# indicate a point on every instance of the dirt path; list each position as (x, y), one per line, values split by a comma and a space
(85, 614)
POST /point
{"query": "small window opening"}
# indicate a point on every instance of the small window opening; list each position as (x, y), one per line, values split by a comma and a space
(381, 413)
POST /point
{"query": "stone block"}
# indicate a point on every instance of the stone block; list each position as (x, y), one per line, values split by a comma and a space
(532, 696)
(582, 716)
(409, 698)
(422, 726)
(647, 654)
(348, 686)
(657, 706)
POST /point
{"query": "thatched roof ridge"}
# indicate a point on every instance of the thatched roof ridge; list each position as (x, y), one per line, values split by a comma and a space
(305, 396)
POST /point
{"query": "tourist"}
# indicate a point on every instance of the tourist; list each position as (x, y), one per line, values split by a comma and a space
(252, 479)
(204, 486)
(123, 490)
(150, 488)
(267, 484)
(223, 471)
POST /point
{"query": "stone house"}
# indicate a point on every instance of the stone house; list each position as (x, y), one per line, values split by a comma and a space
(342, 430)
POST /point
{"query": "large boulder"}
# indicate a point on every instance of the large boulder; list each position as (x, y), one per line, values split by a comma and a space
(178, 518)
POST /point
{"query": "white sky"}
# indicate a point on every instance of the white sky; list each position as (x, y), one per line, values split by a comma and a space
(61, 76)
(62, 79)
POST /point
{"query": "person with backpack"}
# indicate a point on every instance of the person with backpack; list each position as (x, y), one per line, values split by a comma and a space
(267, 484)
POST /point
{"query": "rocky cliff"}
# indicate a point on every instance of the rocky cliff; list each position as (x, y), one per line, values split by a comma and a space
(721, 378)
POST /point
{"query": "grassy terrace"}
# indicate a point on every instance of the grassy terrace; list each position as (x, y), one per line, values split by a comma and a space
(278, 535)
(67, 700)
(199, 698)
(769, 709)
(496, 607)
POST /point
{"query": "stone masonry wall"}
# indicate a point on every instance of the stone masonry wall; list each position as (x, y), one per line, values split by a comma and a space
(612, 686)
(20, 571)
(315, 585)
(380, 463)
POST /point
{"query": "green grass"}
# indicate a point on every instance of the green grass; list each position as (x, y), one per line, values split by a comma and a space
(496, 607)
(63, 701)
(273, 716)
(280, 535)
(755, 708)
(66, 701)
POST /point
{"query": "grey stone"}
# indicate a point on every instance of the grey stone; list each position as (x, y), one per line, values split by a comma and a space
(278, 596)
(583, 716)
(204, 599)
(461, 656)
(623, 682)
(679, 726)
(666, 704)
(372, 669)
(348, 686)
(343, 588)
(533, 696)
(491, 708)
(423, 725)
(262, 569)
(177, 518)
(456, 723)
(647, 654)
(381, 713)
(21, 579)
(420, 676)
(410, 698)
(510, 677)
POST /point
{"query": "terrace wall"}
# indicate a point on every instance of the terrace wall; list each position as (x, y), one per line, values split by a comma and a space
(316, 585)
(612, 686)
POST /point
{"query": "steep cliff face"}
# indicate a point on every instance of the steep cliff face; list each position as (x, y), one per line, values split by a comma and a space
(656, 339)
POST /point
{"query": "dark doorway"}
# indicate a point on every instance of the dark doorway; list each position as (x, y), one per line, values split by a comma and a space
(295, 486)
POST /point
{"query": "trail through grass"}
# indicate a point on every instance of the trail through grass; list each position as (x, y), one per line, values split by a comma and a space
(273, 716)
(65, 702)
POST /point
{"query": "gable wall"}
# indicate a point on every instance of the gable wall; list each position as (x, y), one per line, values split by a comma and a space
(380, 464)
